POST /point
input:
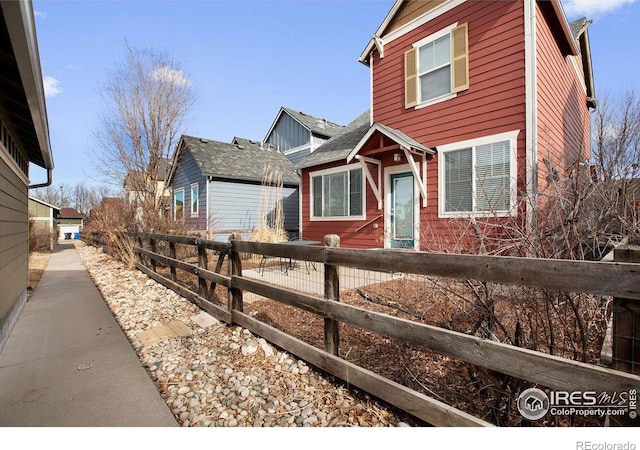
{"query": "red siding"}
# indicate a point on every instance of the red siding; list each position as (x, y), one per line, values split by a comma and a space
(494, 103)
(495, 100)
(563, 115)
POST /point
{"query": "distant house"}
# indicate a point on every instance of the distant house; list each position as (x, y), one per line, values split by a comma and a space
(24, 139)
(476, 106)
(138, 188)
(219, 187)
(297, 134)
(71, 223)
(45, 219)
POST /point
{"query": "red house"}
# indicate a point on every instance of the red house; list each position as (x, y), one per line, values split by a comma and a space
(476, 108)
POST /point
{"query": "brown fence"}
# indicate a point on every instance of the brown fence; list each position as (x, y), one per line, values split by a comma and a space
(619, 280)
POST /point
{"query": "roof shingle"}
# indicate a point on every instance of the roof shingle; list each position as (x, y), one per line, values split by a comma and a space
(244, 160)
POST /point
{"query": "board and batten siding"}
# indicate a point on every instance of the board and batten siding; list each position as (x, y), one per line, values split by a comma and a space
(238, 206)
(14, 246)
(288, 133)
(187, 173)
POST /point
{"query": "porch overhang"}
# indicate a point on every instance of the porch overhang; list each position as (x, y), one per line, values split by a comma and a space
(401, 141)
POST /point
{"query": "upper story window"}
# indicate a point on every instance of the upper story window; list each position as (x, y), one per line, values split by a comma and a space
(337, 193)
(434, 71)
(477, 177)
(437, 67)
(178, 204)
(194, 200)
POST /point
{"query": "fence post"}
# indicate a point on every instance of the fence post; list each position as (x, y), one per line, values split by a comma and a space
(152, 247)
(626, 321)
(173, 254)
(141, 246)
(626, 330)
(331, 293)
(235, 269)
(202, 264)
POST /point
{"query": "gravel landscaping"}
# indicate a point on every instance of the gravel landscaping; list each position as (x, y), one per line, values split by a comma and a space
(224, 375)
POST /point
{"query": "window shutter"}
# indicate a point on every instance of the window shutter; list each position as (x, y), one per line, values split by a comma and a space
(460, 58)
(410, 78)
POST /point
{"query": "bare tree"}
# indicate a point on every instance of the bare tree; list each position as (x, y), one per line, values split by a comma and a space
(616, 129)
(55, 194)
(147, 98)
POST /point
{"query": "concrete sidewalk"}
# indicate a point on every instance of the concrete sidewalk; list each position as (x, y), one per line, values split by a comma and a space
(67, 362)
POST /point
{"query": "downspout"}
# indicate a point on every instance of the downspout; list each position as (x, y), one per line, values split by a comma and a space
(531, 99)
(48, 183)
(207, 182)
(300, 215)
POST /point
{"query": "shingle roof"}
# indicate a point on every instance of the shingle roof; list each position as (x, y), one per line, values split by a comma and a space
(316, 124)
(577, 26)
(70, 213)
(241, 161)
(338, 147)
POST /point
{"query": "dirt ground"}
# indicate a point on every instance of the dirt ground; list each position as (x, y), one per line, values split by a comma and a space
(520, 318)
(37, 263)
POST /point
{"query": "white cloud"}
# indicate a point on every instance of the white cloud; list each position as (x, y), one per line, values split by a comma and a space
(41, 14)
(51, 86)
(166, 73)
(591, 8)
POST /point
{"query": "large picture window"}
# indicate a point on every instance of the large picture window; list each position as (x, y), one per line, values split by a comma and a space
(338, 194)
(478, 177)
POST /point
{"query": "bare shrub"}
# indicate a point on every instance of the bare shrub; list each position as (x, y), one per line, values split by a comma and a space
(40, 237)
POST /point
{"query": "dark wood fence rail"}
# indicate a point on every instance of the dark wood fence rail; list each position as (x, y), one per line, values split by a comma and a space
(602, 278)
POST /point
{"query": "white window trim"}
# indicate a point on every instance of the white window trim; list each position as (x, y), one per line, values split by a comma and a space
(433, 37)
(174, 203)
(394, 170)
(333, 170)
(512, 137)
(197, 186)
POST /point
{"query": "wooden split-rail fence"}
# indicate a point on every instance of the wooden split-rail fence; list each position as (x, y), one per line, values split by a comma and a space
(616, 279)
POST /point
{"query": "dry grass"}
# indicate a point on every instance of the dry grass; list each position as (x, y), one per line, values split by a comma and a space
(37, 263)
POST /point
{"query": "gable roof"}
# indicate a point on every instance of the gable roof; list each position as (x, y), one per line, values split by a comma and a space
(339, 147)
(316, 125)
(580, 32)
(237, 161)
(552, 7)
(70, 213)
(37, 200)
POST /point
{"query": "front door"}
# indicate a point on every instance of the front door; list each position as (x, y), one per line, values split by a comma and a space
(402, 211)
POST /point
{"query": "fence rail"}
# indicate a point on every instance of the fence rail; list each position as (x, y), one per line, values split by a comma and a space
(602, 278)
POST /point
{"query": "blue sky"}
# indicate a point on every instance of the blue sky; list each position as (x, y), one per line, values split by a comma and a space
(246, 59)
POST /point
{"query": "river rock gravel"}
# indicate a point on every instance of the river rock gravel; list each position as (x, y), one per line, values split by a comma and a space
(224, 376)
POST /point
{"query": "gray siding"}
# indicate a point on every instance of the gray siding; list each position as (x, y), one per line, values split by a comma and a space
(238, 206)
(288, 133)
(296, 157)
(187, 173)
(14, 250)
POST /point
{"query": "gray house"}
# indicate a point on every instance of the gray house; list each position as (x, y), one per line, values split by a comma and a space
(221, 187)
(24, 139)
(297, 134)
